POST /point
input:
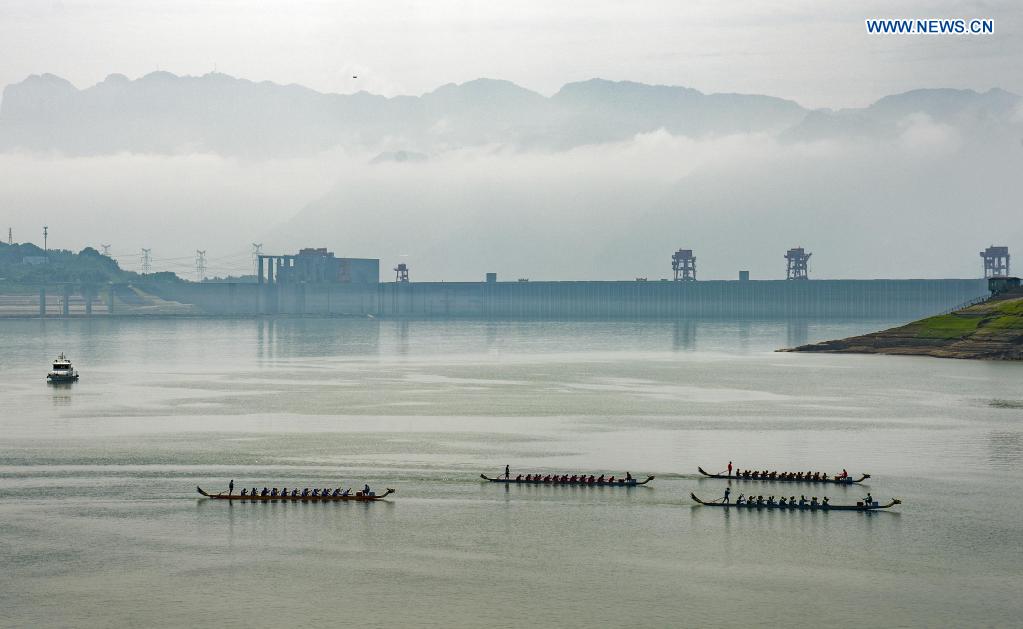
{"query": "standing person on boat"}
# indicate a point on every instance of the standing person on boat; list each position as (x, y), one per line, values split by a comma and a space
(365, 490)
(628, 477)
(729, 468)
(230, 487)
(507, 472)
(728, 492)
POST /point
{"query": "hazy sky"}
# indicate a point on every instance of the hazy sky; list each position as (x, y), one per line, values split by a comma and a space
(941, 189)
(816, 52)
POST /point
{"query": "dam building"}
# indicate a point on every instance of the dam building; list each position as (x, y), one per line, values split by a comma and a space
(301, 283)
(316, 265)
(996, 261)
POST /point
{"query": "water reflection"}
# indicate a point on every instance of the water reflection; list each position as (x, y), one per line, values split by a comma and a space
(61, 393)
(797, 332)
(684, 335)
(299, 337)
(98, 343)
(403, 337)
(745, 331)
(264, 334)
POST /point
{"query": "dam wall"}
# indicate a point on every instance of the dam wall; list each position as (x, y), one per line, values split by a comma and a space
(815, 299)
(226, 298)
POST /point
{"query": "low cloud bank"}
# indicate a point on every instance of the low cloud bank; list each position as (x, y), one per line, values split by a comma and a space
(917, 203)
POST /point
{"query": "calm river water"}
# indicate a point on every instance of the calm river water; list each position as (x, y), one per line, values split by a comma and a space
(100, 524)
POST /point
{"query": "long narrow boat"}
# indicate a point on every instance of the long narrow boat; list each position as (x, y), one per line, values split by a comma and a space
(843, 481)
(806, 507)
(357, 496)
(618, 482)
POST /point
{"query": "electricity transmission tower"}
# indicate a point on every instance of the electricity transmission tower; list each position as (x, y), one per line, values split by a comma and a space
(106, 250)
(200, 265)
(147, 261)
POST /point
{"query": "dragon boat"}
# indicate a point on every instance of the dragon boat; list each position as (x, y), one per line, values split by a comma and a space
(618, 482)
(355, 496)
(859, 506)
(849, 480)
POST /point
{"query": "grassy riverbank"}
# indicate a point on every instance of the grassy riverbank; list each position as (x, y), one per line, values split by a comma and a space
(990, 330)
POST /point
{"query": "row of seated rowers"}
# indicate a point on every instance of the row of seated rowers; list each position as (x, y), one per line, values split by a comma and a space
(305, 493)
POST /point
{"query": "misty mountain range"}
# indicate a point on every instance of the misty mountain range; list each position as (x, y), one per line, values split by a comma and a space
(602, 180)
(216, 113)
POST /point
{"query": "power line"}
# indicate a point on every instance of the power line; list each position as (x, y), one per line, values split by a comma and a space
(169, 259)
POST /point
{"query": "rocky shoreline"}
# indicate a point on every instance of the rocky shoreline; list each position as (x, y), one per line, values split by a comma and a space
(991, 330)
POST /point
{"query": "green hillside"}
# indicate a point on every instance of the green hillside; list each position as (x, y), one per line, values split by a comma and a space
(26, 264)
(990, 330)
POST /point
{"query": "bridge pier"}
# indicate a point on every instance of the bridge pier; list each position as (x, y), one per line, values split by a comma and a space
(65, 308)
(42, 301)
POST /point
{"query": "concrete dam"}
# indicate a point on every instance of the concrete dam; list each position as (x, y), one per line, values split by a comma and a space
(725, 299)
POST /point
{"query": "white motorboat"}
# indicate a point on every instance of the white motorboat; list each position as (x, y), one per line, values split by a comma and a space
(62, 370)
